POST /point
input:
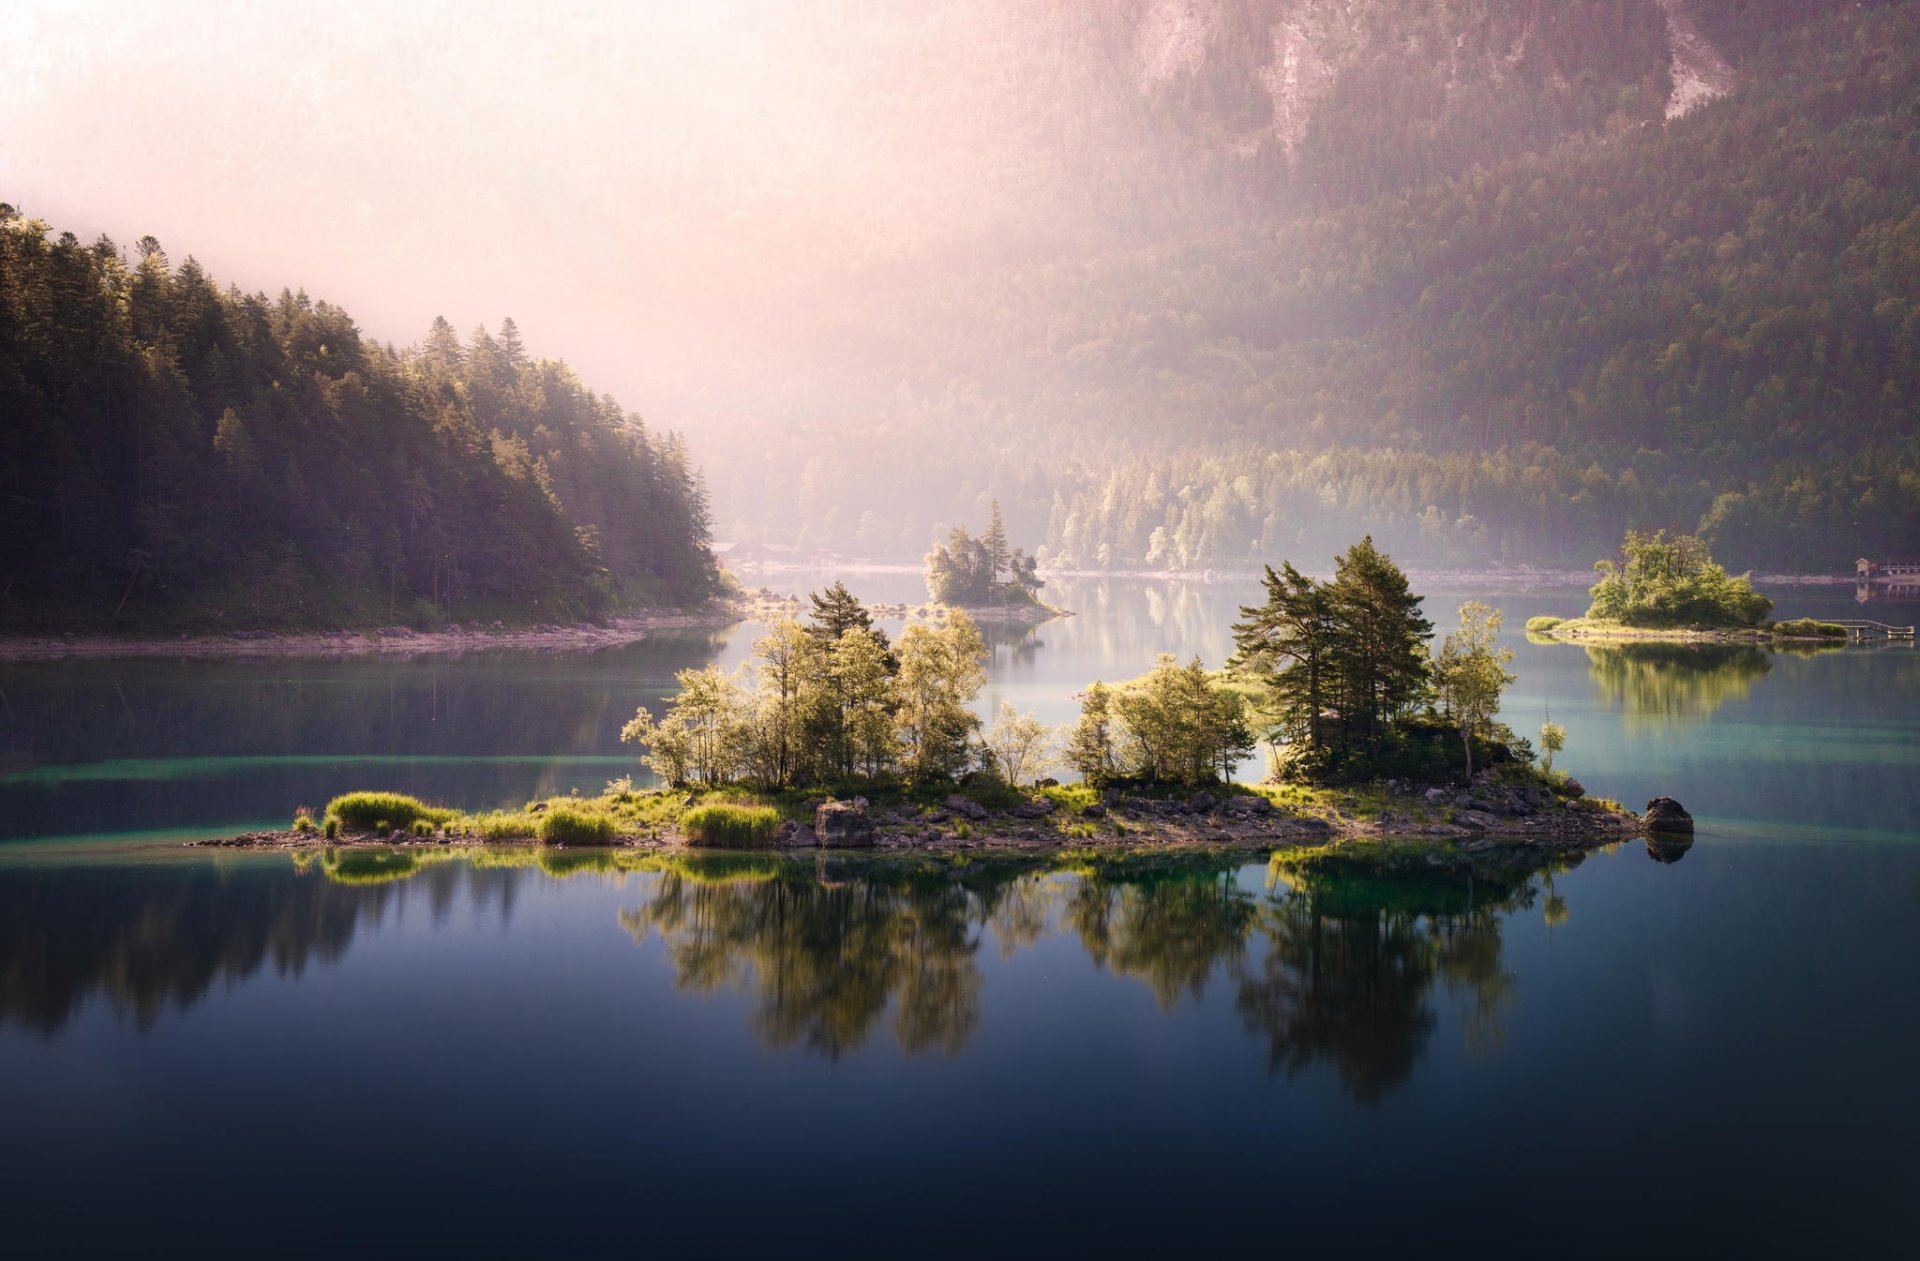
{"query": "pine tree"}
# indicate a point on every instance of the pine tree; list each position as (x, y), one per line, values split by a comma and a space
(1288, 643)
(995, 543)
(1380, 663)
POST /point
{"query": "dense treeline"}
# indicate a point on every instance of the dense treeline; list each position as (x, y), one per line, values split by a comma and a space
(175, 452)
(1706, 324)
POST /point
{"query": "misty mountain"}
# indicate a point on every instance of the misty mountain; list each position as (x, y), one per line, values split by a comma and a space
(1493, 280)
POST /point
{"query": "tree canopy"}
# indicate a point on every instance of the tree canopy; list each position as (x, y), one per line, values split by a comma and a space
(176, 452)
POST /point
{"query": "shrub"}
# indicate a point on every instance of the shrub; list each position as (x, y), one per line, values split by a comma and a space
(1542, 624)
(570, 825)
(331, 828)
(730, 826)
(1808, 627)
(422, 828)
(502, 825)
(381, 810)
(303, 822)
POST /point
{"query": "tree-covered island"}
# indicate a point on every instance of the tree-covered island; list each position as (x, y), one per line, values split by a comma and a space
(836, 735)
(1669, 587)
(987, 575)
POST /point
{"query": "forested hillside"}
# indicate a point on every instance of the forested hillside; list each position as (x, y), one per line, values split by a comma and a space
(172, 453)
(1482, 296)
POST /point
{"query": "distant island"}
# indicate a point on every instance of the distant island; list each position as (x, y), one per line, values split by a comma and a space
(835, 735)
(1670, 588)
(986, 576)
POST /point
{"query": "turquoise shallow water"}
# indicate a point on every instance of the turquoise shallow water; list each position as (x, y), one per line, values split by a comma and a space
(220, 1054)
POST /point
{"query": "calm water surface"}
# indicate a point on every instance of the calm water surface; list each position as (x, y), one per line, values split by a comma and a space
(239, 1054)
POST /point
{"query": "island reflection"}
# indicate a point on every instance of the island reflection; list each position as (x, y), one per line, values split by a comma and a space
(1326, 967)
(1657, 684)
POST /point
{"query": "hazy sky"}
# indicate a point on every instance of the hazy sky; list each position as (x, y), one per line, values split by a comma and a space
(626, 181)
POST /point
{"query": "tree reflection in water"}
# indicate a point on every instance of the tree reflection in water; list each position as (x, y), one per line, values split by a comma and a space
(1327, 967)
(824, 957)
(1656, 684)
(1350, 962)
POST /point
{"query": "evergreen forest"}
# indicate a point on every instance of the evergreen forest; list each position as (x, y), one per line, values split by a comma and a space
(176, 454)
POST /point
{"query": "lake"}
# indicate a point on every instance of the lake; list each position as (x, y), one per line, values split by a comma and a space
(230, 1053)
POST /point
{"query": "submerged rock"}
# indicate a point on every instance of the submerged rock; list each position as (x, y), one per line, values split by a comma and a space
(1666, 816)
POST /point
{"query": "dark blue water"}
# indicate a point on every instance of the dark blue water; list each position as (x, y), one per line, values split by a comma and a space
(239, 1054)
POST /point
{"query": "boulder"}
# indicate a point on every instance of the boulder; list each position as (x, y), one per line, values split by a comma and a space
(1248, 805)
(1665, 816)
(1201, 802)
(843, 825)
(966, 807)
(1093, 810)
(1048, 782)
(1572, 789)
(795, 836)
(1033, 809)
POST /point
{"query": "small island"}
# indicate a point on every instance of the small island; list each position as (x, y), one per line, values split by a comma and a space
(986, 577)
(1670, 588)
(837, 737)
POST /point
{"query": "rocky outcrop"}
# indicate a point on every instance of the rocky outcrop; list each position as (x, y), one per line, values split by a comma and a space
(843, 825)
(966, 807)
(795, 836)
(1667, 817)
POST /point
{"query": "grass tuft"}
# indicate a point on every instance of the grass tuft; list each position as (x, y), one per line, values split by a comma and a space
(382, 810)
(570, 825)
(728, 825)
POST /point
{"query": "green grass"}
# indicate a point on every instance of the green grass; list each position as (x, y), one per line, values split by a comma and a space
(1811, 628)
(366, 810)
(571, 825)
(729, 825)
(1540, 625)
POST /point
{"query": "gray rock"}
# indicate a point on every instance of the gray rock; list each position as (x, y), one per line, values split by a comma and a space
(1435, 795)
(966, 807)
(843, 825)
(795, 836)
(1248, 805)
(1093, 810)
(1572, 788)
(1667, 817)
(1033, 810)
(1201, 802)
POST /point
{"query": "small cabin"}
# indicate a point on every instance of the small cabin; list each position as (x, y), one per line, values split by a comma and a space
(1886, 570)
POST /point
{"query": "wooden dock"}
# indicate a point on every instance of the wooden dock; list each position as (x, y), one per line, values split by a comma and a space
(1862, 628)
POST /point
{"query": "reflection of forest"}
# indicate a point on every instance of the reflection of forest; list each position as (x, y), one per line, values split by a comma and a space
(1326, 968)
(148, 937)
(1350, 963)
(1662, 683)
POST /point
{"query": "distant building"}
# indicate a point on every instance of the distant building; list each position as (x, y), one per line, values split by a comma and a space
(1903, 571)
(1886, 578)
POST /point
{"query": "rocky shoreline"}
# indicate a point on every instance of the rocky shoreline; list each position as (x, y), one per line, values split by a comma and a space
(1487, 820)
